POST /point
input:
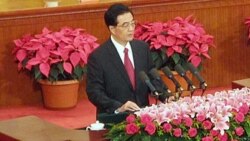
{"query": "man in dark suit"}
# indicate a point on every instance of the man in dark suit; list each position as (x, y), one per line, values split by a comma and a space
(109, 86)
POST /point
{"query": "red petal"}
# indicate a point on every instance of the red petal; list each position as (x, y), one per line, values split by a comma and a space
(53, 61)
(34, 61)
(177, 49)
(193, 50)
(44, 68)
(46, 30)
(196, 60)
(206, 55)
(83, 56)
(43, 53)
(67, 67)
(74, 58)
(18, 43)
(19, 66)
(170, 52)
(29, 67)
(171, 40)
(21, 54)
(204, 48)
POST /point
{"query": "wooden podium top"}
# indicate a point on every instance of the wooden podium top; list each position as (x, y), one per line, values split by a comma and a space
(241, 83)
(32, 128)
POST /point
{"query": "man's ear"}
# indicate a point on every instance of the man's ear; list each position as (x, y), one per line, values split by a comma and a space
(112, 29)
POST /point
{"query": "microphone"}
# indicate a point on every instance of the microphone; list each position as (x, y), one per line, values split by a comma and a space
(195, 72)
(144, 77)
(170, 75)
(182, 73)
(159, 83)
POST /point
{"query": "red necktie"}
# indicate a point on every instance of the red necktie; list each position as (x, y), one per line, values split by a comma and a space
(129, 68)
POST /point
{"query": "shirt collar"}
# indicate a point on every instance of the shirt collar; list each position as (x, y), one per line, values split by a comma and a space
(119, 47)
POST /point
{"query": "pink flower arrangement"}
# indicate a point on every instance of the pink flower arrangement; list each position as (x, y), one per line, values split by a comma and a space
(177, 41)
(247, 22)
(223, 116)
(55, 56)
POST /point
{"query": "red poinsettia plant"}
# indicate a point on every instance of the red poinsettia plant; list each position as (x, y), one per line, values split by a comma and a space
(177, 41)
(224, 116)
(247, 22)
(60, 55)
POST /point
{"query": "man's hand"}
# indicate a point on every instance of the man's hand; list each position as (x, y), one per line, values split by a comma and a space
(170, 99)
(129, 106)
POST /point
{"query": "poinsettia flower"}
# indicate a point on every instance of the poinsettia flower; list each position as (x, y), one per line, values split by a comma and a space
(55, 53)
(182, 37)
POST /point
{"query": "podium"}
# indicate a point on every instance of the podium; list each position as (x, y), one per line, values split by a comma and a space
(32, 128)
(108, 119)
(241, 83)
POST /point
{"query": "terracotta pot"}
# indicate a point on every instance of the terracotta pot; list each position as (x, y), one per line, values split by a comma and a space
(180, 79)
(60, 94)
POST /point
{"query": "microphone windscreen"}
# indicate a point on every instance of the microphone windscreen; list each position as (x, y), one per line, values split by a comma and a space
(195, 72)
(180, 70)
(192, 68)
(167, 72)
(154, 73)
(143, 76)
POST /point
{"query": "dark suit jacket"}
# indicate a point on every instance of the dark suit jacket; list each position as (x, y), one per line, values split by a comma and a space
(108, 85)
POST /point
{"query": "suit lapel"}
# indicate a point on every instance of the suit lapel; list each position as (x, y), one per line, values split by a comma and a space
(116, 60)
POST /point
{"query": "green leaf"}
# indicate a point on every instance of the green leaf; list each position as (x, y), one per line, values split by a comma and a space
(37, 73)
(176, 58)
(78, 71)
(54, 73)
(247, 129)
(146, 138)
(60, 67)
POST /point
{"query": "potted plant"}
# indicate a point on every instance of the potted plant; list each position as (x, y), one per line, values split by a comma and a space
(178, 41)
(55, 57)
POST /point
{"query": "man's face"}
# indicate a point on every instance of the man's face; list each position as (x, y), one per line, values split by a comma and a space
(123, 32)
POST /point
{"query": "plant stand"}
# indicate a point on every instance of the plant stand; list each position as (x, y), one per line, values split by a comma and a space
(60, 94)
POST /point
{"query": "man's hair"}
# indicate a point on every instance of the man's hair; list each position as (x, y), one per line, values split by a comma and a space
(113, 12)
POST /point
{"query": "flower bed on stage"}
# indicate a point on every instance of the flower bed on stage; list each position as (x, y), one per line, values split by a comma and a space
(223, 116)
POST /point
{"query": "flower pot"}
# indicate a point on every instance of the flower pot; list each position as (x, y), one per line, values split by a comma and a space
(180, 79)
(59, 94)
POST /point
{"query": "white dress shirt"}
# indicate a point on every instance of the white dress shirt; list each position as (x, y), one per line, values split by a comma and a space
(120, 49)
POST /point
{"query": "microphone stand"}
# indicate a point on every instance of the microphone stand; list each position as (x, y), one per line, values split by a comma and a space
(156, 95)
(191, 88)
(203, 86)
(178, 93)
